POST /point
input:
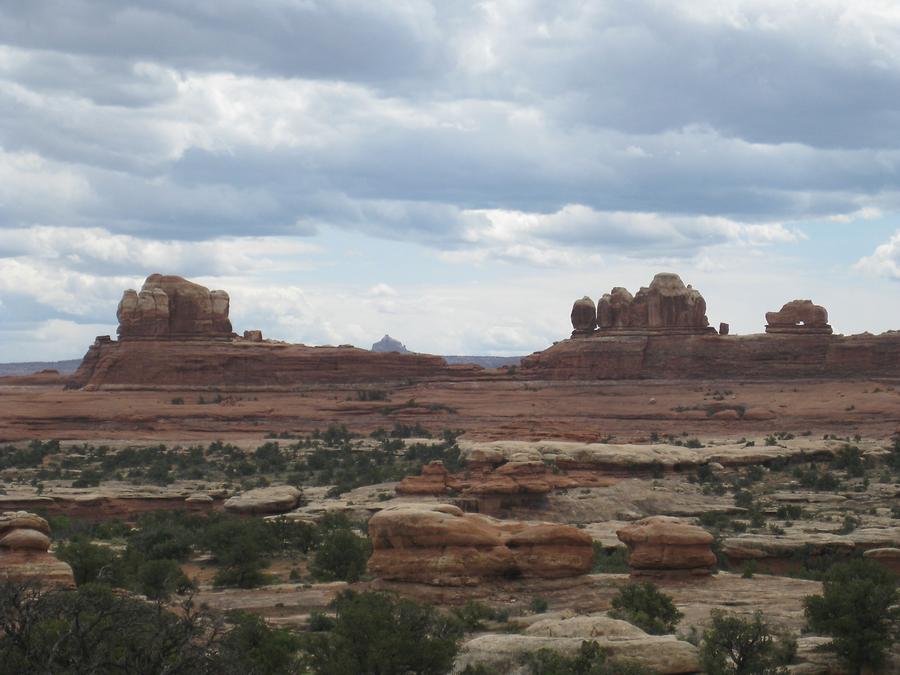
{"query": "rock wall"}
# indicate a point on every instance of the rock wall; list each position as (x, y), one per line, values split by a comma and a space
(717, 356)
(242, 364)
(439, 544)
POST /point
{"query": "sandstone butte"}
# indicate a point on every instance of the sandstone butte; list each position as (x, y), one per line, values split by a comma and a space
(441, 545)
(663, 332)
(176, 333)
(24, 551)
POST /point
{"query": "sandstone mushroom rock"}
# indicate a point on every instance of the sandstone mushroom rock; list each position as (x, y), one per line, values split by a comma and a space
(667, 306)
(799, 317)
(584, 317)
(268, 500)
(662, 546)
(438, 544)
(24, 551)
(169, 306)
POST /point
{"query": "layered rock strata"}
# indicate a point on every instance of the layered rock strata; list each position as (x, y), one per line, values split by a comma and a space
(24, 551)
(664, 546)
(171, 306)
(438, 544)
(760, 356)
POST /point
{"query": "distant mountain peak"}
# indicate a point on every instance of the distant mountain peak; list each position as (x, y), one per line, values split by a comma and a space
(389, 344)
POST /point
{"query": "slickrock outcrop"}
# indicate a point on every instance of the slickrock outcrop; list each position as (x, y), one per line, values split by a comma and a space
(799, 317)
(660, 654)
(662, 546)
(267, 500)
(666, 306)
(171, 306)
(24, 551)
(438, 544)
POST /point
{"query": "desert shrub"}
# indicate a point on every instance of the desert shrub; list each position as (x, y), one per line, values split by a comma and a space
(734, 645)
(158, 579)
(538, 605)
(379, 633)
(238, 546)
(648, 608)
(789, 512)
(250, 646)
(849, 524)
(590, 660)
(473, 614)
(858, 608)
(851, 460)
(610, 561)
(90, 562)
(94, 630)
(342, 555)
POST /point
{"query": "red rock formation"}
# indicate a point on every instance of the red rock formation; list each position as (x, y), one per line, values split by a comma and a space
(584, 316)
(662, 545)
(799, 316)
(441, 545)
(176, 333)
(24, 556)
(242, 364)
(170, 306)
(604, 357)
(666, 306)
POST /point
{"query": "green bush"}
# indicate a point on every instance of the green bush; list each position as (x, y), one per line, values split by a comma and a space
(734, 645)
(90, 562)
(342, 555)
(380, 633)
(538, 605)
(645, 606)
(473, 614)
(858, 608)
(610, 561)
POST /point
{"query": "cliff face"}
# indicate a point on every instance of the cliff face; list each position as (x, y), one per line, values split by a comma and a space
(241, 364)
(717, 356)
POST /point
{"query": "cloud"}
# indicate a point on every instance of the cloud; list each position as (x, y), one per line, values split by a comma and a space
(884, 261)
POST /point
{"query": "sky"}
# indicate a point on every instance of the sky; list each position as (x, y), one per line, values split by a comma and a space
(452, 173)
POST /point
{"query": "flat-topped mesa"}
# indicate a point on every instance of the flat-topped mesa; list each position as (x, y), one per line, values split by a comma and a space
(169, 306)
(799, 317)
(667, 307)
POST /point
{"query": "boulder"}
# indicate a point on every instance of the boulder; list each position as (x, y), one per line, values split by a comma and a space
(661, 545)
(584, 316)
(889, 557)
(439, 544)
(268, 500)
(169, 306)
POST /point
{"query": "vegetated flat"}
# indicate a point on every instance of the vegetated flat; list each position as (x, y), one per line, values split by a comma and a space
(626, 410)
